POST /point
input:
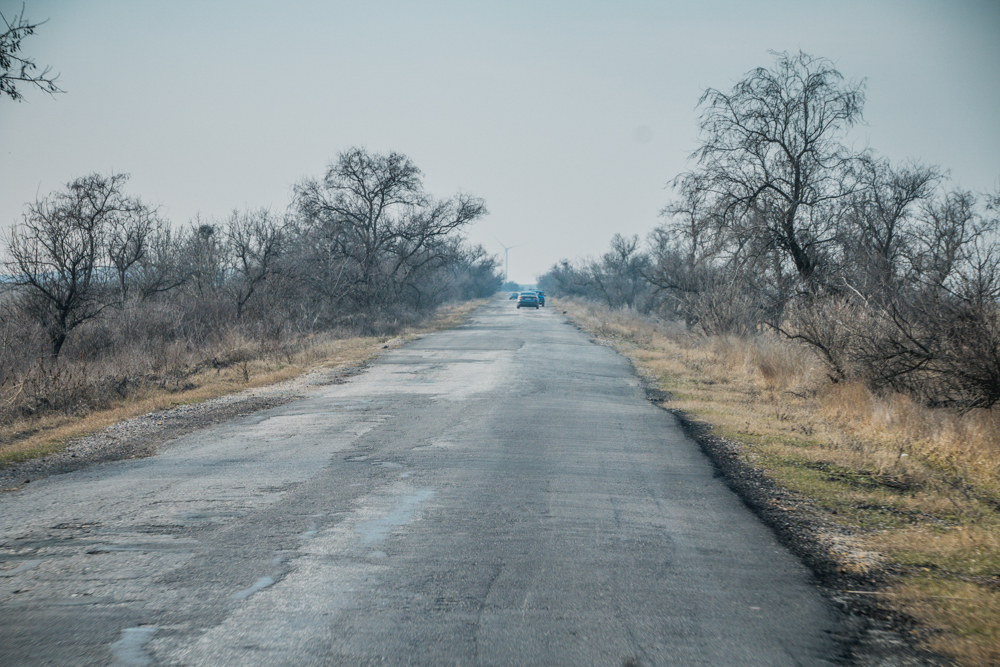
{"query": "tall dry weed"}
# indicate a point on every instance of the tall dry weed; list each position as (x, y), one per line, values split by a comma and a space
(962, 449)
(764, 360)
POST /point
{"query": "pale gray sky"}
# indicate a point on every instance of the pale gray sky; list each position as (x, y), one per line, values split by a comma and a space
(568, 117)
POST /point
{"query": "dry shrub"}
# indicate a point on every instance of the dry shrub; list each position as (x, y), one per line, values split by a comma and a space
(831, 327)
(765, 360)
(886, 433)
(47, 386)
(623, 324)
(962, 449)
(941, 346)
(851, 404)
(727, 350)
(781, 366)
(962, 617)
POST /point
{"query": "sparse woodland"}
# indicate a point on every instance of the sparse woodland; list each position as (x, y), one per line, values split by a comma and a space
(102, 298)
(890, 274)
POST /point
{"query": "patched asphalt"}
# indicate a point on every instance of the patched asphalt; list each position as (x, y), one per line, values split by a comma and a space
(498, 494)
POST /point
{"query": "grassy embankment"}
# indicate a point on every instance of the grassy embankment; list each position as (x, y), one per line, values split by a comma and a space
(237, 364)
(916, 490)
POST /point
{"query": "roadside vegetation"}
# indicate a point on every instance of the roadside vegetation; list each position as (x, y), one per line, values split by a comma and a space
(237, 364)
(108, 310)
(913, 490)
(835, 317)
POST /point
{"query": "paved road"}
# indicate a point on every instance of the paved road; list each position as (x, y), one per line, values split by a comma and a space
(498, 494)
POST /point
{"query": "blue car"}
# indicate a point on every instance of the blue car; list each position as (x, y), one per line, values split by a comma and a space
(527, 300)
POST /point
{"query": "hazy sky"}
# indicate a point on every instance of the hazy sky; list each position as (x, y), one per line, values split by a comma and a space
(568, 117)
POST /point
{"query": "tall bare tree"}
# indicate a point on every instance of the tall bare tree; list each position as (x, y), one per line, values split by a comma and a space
(55, 258)
(202, 259)
(160, 269)
(772, 153)
(371, 209)
(74, 248)
(618, 275)
(945, 233)
(129, 226)
(685, 248)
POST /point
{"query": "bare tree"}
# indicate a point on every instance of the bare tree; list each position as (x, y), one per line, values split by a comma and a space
(685, 248)
(160, 268)
(455, 271)
(945, 232)
(371, 210)
(943, 346)
(322, 276)
(255, 242)
(360, 204)
(16, 69)
(56, 254)
(478, 273)
(129, 226)
(878, 221)
(565, 278)
(202, 259)
(618, 276)
(936, 335)
(692, 223)
(772, 154)
(722, 282)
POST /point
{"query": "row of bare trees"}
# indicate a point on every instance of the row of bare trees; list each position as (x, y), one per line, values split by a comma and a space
(91, 266)
(99, 294)
(888, 271)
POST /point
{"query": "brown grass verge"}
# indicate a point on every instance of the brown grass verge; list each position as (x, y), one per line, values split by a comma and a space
(916, 491)
(26, 439)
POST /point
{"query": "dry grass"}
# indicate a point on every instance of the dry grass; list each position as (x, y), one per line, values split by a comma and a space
(240, 364)
(919, 487)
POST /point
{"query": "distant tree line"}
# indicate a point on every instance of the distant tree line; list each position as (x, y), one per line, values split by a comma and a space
(888, 271)
(364, 248)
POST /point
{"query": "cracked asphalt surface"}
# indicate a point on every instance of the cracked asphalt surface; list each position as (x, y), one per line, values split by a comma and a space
(497, 494)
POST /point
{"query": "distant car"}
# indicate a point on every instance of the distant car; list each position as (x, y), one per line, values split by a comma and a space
(539, 293)
(527, 300)
(513, 295)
